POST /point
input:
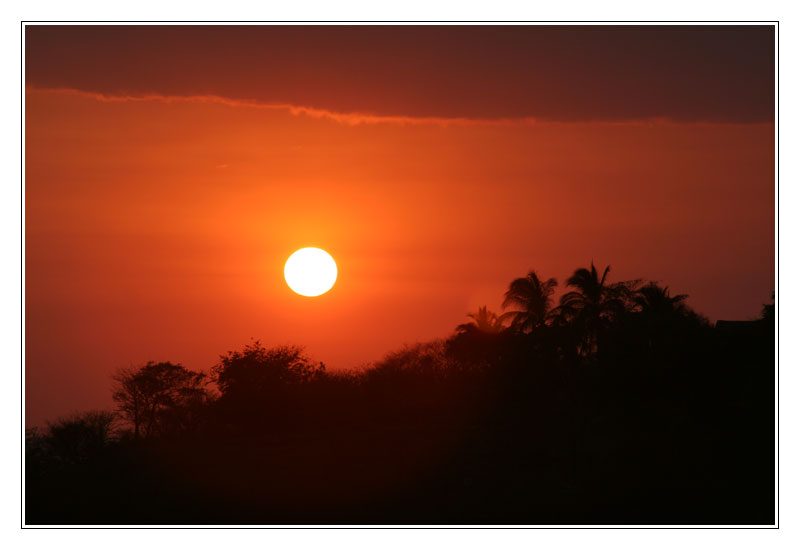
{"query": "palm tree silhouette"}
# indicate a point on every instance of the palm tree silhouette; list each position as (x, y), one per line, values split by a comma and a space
(661, 316)
(484, 321)
(594, 303)
(655, 301)
(533, 300)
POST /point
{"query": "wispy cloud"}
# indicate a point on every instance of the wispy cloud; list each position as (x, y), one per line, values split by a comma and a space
(351, 119)
(355, 118)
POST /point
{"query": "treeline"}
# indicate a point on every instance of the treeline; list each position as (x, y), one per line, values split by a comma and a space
(617, 404)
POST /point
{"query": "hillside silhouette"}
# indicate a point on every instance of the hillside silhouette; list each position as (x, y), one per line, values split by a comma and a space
(616, 404)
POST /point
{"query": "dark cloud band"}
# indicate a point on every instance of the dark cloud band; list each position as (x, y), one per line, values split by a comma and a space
(558, 73)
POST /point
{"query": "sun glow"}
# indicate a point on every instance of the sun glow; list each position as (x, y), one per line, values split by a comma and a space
(310, 271)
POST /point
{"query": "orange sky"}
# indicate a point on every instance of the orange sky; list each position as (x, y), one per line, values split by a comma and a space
(157, 228)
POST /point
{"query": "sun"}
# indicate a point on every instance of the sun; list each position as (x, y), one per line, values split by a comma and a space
(310, 271)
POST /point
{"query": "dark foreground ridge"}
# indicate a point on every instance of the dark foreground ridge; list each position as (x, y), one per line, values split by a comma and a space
(618, 406)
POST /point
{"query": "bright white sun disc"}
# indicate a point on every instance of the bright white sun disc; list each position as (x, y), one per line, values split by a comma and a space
(310, 271)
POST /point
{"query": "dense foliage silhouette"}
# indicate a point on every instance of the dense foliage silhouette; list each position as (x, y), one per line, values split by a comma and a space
(620, 405)
(160, 398)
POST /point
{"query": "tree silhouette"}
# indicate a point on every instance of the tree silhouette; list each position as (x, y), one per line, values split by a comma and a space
(659, 320)
(594, 303)
(768, 311)
(80, 436)
(258, 370)
(621, 405)
(159, 397)
(533, 300)
(427, 360)
(655, 301)
(483, 321)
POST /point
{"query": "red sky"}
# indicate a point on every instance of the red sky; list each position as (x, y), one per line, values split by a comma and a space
(170, 172)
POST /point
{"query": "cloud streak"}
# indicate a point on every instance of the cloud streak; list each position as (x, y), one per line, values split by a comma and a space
(355, 118)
